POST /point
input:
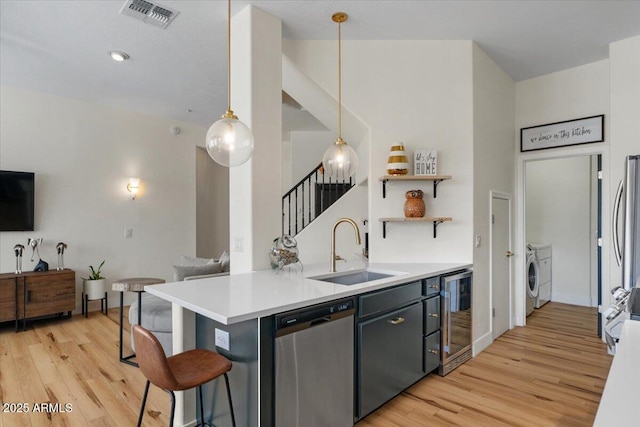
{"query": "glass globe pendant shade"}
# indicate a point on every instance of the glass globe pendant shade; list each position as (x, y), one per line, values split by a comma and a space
(229, 142)
(340, 161)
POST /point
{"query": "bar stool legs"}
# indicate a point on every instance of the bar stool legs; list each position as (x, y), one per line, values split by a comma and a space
(173, 404)
(144, 401)
(233, 417)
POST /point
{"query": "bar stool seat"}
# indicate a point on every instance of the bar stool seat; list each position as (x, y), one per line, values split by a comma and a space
(182, 371)
(195, 367)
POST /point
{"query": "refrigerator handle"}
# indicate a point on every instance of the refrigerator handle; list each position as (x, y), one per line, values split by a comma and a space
(447, 310)
(614, 224)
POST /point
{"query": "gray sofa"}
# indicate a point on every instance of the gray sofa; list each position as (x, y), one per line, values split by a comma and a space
(156, 312)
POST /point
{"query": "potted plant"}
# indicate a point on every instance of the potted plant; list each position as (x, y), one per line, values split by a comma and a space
(94, 286)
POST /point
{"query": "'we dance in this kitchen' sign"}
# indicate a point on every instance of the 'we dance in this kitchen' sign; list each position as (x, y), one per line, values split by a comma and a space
(562, 134)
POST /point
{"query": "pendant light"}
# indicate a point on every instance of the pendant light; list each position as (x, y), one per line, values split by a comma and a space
(340, 161)
(229, 142)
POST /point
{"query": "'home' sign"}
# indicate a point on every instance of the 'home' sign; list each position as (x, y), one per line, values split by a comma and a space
(425, 162)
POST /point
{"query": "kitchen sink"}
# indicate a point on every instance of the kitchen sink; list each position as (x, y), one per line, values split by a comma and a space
(355, 277)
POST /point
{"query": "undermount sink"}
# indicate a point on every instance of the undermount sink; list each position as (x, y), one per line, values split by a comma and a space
(355, 277)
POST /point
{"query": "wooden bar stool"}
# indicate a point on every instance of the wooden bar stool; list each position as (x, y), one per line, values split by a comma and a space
(183, 371)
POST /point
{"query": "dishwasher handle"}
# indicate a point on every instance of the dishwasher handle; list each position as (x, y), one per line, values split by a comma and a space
(316, 322)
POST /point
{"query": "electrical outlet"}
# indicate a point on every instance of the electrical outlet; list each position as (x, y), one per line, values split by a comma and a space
(222, 339)
(128, 233)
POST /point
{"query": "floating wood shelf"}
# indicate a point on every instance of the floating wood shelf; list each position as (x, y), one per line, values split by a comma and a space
(437, 179)
(436, 221)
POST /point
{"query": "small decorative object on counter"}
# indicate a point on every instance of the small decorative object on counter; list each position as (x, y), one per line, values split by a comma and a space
(414, 206)
(18, 249)
(397, 164)
(425, 162)
(35, 244)
(284, 251)
(41, 266)
(60, 247)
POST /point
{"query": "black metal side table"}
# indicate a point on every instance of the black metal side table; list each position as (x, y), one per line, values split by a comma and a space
(134, 284)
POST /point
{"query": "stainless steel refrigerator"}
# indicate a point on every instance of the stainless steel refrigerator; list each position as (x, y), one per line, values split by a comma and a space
(626, 245)
(627, 206)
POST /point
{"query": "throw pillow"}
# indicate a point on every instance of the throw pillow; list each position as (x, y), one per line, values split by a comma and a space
(225, 260)
(182, 271)
(192, 260)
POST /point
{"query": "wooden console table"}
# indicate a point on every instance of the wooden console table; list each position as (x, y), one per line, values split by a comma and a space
(36, 294)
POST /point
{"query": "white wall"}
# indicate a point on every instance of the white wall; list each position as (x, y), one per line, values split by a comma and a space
(569, 94)
(420, 93)
(558, 209)
(314, 242)
(307, 151)
(212, 206)
(493, 170)
(82, 155)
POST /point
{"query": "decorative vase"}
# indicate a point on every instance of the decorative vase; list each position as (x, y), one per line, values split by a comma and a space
(284, 251)
(414, 206)
(398, 163)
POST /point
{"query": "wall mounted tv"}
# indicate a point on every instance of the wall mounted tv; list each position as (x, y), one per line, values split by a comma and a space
(17, 194)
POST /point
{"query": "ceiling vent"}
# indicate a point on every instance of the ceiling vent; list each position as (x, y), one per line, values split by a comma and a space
(150, 13)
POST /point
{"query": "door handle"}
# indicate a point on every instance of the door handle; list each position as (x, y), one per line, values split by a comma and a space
(614, 224)
(434, 351)
(397, 320)
(434, 315)
(509, 254)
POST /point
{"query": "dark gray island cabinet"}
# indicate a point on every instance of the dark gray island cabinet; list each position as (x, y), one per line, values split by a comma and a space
(388, 344)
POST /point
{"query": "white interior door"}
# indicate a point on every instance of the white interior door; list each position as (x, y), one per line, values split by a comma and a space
(500, 263)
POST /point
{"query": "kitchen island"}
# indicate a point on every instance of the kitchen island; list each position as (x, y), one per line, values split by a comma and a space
(235, 315)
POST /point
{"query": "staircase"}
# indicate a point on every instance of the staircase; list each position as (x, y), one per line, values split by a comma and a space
(309, 198)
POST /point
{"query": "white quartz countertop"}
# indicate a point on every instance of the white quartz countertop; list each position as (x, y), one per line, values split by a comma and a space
(620, 403)
(239, 297)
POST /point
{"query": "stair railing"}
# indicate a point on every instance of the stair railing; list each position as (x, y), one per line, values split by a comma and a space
(309, 198)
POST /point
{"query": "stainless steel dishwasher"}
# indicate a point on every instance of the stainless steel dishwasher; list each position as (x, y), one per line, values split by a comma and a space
(314, 366)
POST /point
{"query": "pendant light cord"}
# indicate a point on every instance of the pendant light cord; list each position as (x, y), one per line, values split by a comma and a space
(339, 80)
(228, 55)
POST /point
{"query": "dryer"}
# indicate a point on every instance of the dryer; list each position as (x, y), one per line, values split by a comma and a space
(532, 281)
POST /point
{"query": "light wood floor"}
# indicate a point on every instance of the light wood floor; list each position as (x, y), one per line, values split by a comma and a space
(550, 373)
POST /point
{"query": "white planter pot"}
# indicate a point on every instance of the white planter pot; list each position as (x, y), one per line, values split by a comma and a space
(95, 289)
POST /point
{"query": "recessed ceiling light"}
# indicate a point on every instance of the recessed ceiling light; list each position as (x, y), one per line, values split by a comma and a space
(118, 56)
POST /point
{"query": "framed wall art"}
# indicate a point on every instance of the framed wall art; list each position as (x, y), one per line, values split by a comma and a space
(586, 130)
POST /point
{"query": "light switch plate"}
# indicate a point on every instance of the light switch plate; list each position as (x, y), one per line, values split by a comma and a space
(128, 233)
(238, 245)
(222, 339)
(477, 242)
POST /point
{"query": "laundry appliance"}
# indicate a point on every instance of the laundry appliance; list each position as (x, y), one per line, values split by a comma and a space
(542, 253)
(533, 276)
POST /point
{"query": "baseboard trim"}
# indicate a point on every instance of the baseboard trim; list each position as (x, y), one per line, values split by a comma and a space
(482, 343)
(572, 299)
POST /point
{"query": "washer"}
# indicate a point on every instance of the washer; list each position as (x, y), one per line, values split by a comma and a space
(532, 280)
(543, 256)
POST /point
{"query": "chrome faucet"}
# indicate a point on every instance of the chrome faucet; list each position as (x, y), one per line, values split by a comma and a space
(333, 239)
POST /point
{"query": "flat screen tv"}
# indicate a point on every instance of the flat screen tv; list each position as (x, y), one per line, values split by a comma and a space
(17, 194)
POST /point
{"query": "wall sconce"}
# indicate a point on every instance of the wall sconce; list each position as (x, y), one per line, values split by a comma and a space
(133, 186)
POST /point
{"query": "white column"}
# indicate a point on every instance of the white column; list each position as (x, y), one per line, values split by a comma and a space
(254, 187)
(183, 323)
